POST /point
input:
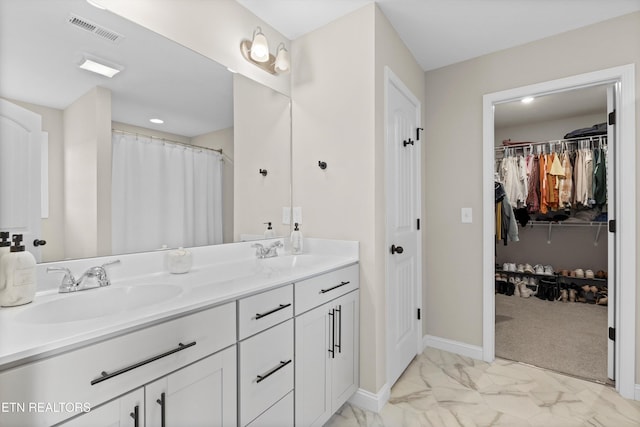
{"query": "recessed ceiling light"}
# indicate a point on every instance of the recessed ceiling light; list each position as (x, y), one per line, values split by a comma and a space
(156, 121)
(527, 100)
(98, 67)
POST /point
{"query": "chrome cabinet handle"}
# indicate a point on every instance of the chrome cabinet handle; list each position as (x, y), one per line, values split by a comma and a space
(324, 291)
(280, 307)
(272, 371)
(105, 376)
(136, 416)
(161, 402)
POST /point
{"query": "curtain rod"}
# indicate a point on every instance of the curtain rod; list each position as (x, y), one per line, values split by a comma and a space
(218, 150)
(595, 138)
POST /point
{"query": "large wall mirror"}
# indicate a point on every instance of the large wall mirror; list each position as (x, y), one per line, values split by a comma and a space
(113, 181)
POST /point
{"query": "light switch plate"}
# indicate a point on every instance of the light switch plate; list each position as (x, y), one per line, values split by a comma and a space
(466, 215)
(286, 215)
(297, 214)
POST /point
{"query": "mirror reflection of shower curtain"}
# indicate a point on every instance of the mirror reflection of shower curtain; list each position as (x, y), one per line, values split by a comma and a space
(164, 194)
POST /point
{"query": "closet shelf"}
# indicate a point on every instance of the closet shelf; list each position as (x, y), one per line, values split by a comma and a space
(554, 276)
(568, 224)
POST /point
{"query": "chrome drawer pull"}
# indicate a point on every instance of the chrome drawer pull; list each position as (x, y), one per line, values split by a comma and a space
(273, 371)
(280, 307)
(324, 291)
(105, 376)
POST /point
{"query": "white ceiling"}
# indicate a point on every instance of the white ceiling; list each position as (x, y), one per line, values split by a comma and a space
(40, 51)
(443, 32)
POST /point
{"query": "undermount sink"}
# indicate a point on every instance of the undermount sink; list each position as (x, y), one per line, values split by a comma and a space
(95, 303)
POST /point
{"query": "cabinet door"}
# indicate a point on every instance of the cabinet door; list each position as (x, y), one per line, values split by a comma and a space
(201, 394)
(125, 411)
(345, 376)
(312, 367)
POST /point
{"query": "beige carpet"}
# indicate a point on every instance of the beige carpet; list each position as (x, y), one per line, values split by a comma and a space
(564, 337)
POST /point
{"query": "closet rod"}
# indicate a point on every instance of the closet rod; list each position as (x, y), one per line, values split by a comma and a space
(596, 138)
(218, 150)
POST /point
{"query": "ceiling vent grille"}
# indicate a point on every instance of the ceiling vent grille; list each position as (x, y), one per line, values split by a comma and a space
(96, 29)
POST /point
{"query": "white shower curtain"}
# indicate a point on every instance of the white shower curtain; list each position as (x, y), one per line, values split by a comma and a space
(164, 194)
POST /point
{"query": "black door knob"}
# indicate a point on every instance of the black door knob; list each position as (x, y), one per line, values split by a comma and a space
(396, 249)
(38, 242)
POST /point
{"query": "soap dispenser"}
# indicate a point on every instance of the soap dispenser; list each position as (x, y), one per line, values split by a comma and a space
(269, 232)
(5, 244)
(296, 240)
(18, 279)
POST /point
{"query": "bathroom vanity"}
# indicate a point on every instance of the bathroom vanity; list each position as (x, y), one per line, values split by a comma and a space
(237, 341)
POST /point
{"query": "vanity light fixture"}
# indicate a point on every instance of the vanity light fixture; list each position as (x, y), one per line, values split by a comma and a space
(527, 100)
(256, 51)
(99, 67)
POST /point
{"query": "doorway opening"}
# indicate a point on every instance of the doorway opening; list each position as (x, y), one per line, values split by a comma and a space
(624, 269)
(553, 156)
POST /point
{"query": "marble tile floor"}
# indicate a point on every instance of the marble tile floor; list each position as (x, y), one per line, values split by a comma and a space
(443, 389)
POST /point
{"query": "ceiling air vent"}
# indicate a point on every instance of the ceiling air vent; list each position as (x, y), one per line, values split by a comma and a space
(96, 29)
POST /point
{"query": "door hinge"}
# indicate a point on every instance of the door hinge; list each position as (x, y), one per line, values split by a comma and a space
(612, 226)
(612, 334)
(418, 133)
(612, 118)
(418, 224)
(419, 314)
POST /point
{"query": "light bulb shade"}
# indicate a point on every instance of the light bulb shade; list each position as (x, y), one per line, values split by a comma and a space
(283, 63)
(259, 47)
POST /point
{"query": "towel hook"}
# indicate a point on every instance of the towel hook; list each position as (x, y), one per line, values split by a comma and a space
(322, 165)
(263, 172)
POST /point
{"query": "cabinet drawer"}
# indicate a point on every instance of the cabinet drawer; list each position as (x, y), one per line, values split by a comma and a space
(68, 377)
(279, 415)
(266, 370)
(316, 291)
(264, 310)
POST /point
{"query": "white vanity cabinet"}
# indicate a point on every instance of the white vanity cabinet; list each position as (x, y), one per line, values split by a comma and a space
(100, 372)
(266, 358)
(125, 411)
(327, 345)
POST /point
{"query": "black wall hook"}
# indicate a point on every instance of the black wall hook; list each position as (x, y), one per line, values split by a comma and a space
(322, 165)
(407, 142)
(418, 133)
(263, 172)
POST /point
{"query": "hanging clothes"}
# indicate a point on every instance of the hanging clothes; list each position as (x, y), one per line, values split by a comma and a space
(544, 184)
(565, 183)
(533, 168)
(599, 177)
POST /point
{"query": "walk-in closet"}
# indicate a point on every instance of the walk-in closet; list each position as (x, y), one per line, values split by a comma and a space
(553, 188)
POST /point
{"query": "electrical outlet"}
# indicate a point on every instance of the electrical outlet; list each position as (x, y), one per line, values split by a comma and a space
(286, 215)
(297, 214)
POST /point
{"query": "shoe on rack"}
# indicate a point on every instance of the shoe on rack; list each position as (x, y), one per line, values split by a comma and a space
(538, 269)
(512, 267)
(572, 295)
(528, 268)
(548, 270)
(579, 273)
(588, 274)
(594, 289)
(586, 288)
(505, 266)
(564, 295)
(516, 290)
(602, 301)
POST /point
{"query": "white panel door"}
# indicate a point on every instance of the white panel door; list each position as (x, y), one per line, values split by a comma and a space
(403, 237)
(21, 138)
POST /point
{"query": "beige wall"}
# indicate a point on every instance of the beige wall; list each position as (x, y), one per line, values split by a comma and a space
(453, 130)
(262, 135)
(211, 28)
(548, 130)
(87, 178)
(338, 117)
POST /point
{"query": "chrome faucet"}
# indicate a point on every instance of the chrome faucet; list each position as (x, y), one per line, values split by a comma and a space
(94, 277)
(269, 251)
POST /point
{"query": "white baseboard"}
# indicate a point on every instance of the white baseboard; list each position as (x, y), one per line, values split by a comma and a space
(371, 401)
(472, 351)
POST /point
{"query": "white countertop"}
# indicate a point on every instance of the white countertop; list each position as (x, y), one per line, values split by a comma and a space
(206, 285)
